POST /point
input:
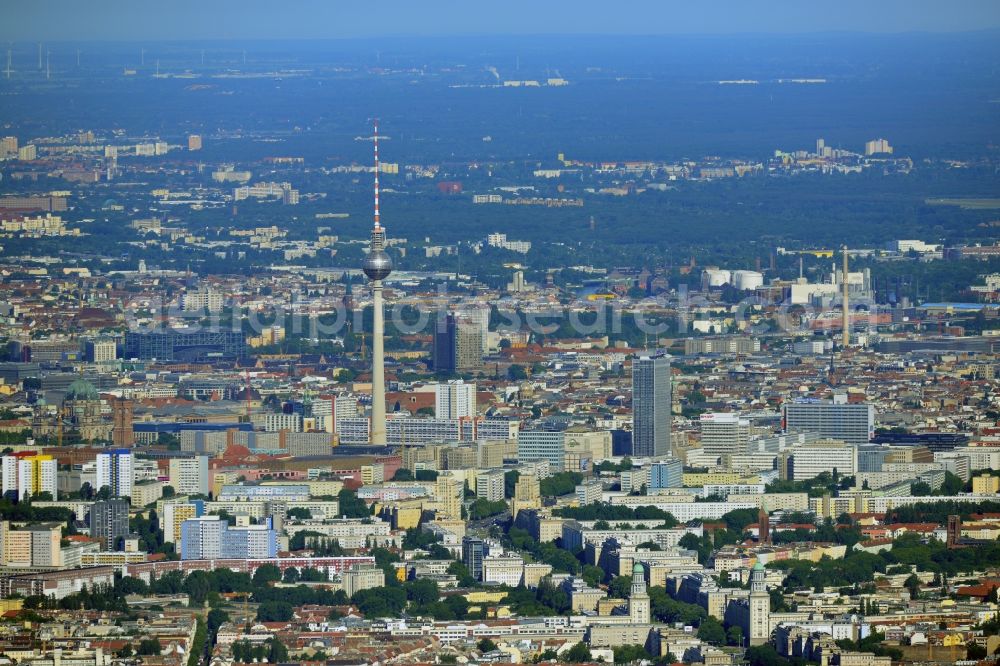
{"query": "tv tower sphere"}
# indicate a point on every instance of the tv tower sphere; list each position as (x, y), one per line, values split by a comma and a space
(377, 265)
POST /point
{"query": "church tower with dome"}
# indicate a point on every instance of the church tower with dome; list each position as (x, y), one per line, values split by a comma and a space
(82, 409)
(759, 631)
(638, 601)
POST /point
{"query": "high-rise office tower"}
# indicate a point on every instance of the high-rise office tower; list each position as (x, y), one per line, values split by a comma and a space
(534, 445)
(666, 474)
(480, 318)
(468, 345)
(871, 457)
(115, 470)
(377, 267)
(808, 461)
(651, 404)
(458, 345)
(473, 553)
(443, 348)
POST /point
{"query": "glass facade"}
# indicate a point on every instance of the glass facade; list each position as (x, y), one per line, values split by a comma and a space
(651, 404)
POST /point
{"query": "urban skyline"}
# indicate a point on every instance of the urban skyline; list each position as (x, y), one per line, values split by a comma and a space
(445, 333)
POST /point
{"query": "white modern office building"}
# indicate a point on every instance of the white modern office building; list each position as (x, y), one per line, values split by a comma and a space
(834, 419)
(724, 433)
(547, 445)
(831, 456)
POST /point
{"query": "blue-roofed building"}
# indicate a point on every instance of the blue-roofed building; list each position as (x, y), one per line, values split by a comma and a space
(956, 307)
(249, 493)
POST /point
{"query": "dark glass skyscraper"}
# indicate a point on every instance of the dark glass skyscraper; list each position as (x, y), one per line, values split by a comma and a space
(473, 553)
(443, 352)
(458, 345)
(651, 404)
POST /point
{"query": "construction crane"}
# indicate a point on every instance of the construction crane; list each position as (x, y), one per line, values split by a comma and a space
(247, 372)
(60, 415)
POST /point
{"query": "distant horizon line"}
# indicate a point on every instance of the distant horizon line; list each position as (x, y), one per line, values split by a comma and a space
(510, 35)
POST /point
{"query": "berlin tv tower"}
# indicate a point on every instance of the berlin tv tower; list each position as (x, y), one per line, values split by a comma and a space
(377, 267)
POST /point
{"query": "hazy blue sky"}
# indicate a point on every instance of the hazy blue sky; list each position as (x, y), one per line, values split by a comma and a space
(27, 20)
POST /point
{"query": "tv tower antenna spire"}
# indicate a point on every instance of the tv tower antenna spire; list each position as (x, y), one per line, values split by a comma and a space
(375, 141)
(377, 267)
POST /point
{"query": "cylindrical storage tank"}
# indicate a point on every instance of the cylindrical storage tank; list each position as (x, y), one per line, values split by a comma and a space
(747, 280)
(714, 277)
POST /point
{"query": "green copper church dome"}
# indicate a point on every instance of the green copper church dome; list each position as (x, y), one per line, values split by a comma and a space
(81, 389)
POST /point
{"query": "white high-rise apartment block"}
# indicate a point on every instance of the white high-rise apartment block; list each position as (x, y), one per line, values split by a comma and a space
(490, 485)
(589, 491)
(28, 475)
(877, 146)
(500, 240)
(116, 471)
(280, 421)
(454, 400)
(201, 538)
(345, 407)
(322, 412)
(189, 476)
(202, 300)
(174, 515)
(10, 475)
